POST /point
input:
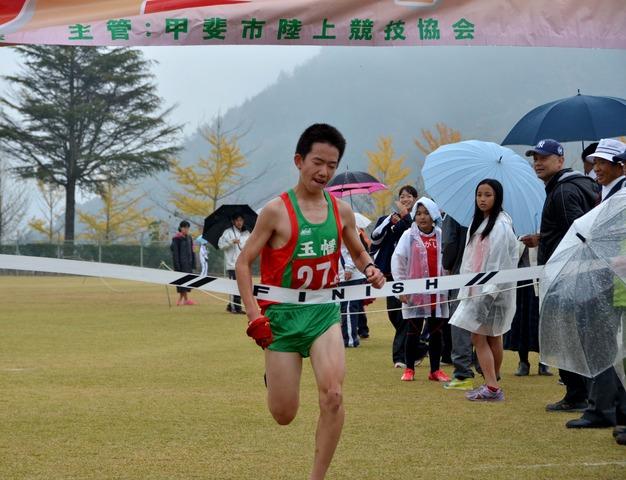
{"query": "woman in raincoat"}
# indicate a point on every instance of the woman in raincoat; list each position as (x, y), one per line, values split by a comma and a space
(487, 311)
(418, 255)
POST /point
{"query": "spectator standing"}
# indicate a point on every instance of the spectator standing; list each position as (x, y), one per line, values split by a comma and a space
(487, 311)
(569, 195)
(231, 242)
(385, 237)
(184, 259)
(418, 255)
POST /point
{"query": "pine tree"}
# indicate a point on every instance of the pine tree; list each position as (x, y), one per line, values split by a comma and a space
(83, 116)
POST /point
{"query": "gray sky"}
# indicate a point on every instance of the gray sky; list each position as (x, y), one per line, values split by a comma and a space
(205, 80)
(201, 80)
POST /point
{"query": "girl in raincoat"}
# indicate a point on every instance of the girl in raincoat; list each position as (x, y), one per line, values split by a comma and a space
(487, 311)
(418, 255)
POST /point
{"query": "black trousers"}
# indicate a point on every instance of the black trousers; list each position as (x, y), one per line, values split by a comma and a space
(416, 349)
(575, 386)
(235, 303)
(607, 399)
(400, 324)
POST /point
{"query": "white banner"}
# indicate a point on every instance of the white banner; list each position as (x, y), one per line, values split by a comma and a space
(265, 292)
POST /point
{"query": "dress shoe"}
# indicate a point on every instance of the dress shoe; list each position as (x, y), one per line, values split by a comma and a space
(523, 369)
(544, 370)
(621, 439)
(584, 423)
(565, 406)
(619, 430)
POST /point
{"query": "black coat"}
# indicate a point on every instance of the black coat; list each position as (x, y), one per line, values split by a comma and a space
(385, 243)
(569, 195)
(182, 253)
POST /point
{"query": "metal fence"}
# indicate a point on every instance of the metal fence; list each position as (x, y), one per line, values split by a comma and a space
(153, 255)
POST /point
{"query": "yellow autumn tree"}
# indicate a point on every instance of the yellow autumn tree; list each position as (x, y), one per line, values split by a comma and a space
(51, 224)
(118, 219)
(443, 136)
(388, 169)
(206, 182)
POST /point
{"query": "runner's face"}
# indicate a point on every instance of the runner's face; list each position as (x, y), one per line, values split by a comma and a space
(423, 219)
(485, 198)
(318, 166)
(606, 171)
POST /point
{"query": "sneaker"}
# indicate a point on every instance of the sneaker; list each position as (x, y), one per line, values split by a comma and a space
(484, 394)
(408, 375)
(190, 302)
(459, 384)
(439, 376)
(179, 303)
(523, 369)
(399, 365)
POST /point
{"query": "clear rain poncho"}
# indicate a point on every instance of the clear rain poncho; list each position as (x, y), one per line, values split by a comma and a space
(489, 311)
(583, 293)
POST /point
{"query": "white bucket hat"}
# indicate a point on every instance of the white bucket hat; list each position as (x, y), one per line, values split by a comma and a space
(607, 149)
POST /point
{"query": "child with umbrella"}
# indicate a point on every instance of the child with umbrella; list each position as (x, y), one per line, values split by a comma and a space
(487, 311)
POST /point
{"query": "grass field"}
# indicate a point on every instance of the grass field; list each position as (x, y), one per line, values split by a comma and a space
(102, 380)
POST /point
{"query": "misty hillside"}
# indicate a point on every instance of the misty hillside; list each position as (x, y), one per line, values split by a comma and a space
(369, 92)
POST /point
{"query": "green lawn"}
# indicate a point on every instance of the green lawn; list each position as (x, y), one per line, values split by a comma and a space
(102, 380)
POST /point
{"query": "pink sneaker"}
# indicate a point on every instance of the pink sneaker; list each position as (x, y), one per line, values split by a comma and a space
(439, 376)
(484, 394)
(408, 375)
(190, 302)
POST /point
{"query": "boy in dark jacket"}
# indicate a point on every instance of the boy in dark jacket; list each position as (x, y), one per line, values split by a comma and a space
(184, 259)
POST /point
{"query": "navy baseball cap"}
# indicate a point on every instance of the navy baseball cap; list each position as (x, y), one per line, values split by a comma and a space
(546, 147)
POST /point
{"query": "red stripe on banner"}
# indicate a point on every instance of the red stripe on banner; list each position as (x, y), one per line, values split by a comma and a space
(10, 9)
(154, 6)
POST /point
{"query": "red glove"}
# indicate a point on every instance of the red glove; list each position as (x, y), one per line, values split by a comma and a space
(259, 329)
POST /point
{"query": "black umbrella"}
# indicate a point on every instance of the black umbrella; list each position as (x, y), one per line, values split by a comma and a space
(349, 183)
(221, 219)
(581, 117)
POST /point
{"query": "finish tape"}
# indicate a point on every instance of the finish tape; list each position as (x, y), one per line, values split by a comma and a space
(267, 292)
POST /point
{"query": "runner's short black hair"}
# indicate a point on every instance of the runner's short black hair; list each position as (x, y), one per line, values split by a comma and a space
(320, 133)
(183, 224)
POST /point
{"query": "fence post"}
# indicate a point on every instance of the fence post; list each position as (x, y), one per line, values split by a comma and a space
(99, 252)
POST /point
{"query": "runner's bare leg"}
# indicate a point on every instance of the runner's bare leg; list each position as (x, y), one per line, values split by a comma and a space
(328, 361)
(283, 371)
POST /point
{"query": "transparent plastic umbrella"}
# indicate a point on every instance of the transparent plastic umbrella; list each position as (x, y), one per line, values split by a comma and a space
(583, 293)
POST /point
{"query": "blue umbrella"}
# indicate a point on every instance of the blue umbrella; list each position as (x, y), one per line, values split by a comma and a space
(581, 117)
(452, 172)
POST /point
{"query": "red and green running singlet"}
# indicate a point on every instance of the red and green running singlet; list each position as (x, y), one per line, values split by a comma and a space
(310, 259)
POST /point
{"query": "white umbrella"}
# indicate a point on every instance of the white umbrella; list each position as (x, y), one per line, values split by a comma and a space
(361, 220)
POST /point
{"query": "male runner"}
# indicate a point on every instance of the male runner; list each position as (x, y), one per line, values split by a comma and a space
(299, 236)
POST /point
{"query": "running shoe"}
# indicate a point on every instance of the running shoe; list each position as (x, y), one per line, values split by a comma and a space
(439, 376)
(408, 375)
(459, 384)
(484, 394)
(190, 302)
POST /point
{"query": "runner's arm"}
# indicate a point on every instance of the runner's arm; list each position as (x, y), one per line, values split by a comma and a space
(258, 239)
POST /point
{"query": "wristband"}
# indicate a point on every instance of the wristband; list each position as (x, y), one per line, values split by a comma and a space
(371, 264)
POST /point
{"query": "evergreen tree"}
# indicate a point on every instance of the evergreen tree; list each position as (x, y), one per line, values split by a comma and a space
(84, 116)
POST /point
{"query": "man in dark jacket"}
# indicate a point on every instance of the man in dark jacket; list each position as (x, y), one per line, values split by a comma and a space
(569, 195)
(385, 236)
